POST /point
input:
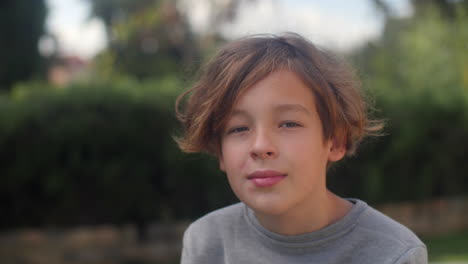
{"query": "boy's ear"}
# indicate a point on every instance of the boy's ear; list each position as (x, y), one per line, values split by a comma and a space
(337, 151)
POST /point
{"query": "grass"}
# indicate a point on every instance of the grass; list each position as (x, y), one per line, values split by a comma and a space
(448, 247)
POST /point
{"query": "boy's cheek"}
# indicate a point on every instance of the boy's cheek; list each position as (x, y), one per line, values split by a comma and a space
(234, 157)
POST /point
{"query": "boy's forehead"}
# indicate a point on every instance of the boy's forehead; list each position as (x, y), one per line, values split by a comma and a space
(276, 108)
(281, 81)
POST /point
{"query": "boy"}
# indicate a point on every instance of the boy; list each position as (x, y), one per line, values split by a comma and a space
(276, 111)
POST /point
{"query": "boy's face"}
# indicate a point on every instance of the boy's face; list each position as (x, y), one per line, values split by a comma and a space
(273, 150)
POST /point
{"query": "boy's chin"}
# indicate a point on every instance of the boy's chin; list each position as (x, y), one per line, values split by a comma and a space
(268, 208)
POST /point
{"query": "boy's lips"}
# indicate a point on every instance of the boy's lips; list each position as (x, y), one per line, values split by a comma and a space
(265, 178)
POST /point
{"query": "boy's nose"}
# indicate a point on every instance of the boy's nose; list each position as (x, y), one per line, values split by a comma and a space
(263, 147)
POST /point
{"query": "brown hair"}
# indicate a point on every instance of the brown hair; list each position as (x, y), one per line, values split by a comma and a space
(242, 63)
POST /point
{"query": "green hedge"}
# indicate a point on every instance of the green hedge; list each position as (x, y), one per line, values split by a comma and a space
(422, 155)
(418, 74)
(104, 153)
(97, 154)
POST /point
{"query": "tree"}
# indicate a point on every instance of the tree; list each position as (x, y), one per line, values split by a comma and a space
(447, 8)
(418, 74)
(152, 38)
(21, 26)
(147, 39)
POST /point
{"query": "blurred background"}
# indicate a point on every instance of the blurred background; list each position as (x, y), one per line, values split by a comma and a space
(89, 172)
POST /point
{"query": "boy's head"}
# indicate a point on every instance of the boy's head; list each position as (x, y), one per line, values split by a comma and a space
(241, 64)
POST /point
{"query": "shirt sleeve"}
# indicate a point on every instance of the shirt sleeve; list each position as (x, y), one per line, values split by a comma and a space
(185, 256)
(416, 255)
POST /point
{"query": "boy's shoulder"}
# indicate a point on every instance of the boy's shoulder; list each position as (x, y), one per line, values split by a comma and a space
(204, 239)
(374, 223)
(216, 223)
(379, 235)
(220, 216)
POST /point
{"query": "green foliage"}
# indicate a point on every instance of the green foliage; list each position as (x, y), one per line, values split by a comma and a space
(95, 154)
(152, 38)
(102, 151)
(21, 26)
(417, 74)
(448, 247)
(111, 11)
(149, 39)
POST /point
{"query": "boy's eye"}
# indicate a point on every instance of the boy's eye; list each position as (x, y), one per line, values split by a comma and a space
(289, 124)
(237, 130)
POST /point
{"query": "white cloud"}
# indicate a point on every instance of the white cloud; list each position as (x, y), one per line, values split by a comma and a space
(76, 33)
(84, 40)
(198, 13)
(323, 26)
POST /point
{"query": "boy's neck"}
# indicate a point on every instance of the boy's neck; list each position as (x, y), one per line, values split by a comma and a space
(313, 217)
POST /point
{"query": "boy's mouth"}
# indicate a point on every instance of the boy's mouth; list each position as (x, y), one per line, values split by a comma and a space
(265, 178)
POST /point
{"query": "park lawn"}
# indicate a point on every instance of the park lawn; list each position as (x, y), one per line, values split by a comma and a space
(448, 247)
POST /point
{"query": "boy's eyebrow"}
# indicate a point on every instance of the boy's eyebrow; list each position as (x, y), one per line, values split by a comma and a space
(291, 107)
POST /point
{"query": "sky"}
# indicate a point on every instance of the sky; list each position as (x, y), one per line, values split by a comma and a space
(76, 33)
(335, 24)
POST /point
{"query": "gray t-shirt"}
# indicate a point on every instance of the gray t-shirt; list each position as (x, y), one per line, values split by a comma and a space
(363, 235)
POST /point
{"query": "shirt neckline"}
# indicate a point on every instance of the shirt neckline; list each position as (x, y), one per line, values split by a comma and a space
(307, 240)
